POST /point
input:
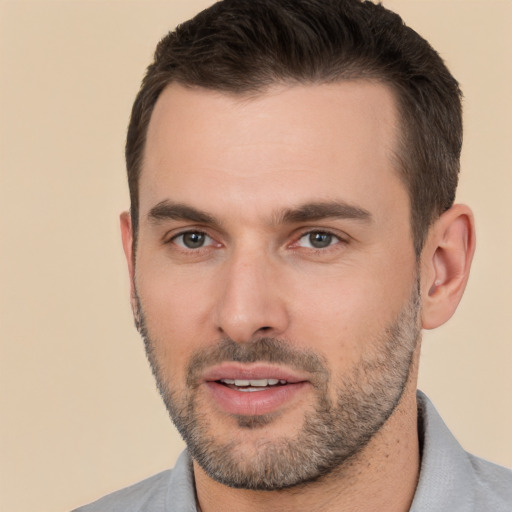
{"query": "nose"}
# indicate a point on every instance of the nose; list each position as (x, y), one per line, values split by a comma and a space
(251, 302)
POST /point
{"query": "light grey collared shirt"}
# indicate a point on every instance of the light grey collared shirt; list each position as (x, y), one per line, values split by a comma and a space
(451, 480)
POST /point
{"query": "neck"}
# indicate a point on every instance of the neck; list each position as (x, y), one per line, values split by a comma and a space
(382, 477)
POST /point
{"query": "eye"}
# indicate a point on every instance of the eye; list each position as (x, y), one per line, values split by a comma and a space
(317, 240)
(192, 240)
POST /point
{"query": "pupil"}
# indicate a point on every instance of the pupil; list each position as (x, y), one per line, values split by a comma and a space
(320, 240)
(193, 240)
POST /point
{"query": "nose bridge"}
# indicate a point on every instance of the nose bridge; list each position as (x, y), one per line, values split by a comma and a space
(250, 302)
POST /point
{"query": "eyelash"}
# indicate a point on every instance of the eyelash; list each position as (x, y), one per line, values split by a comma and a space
(338, 240)
(189, 232)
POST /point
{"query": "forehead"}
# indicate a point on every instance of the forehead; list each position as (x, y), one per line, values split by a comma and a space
(290, 144)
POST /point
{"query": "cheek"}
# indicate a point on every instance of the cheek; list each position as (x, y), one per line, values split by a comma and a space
(335, 318)
(176, 306)
(345, 317)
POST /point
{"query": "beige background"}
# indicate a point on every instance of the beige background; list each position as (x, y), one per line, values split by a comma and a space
(79, 413)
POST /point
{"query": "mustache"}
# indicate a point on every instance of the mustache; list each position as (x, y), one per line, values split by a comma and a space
(267, 349)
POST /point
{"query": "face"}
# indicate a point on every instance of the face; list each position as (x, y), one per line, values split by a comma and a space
(275, 276)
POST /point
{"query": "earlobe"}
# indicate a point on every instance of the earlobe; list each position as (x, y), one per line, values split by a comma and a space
(446, 262)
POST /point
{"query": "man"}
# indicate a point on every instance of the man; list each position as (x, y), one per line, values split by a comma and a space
(292, 169)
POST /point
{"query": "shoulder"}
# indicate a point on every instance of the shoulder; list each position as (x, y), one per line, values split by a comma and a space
(493, 484)
(451, 478)
(140, 496)
(145, 495)
(164, 492)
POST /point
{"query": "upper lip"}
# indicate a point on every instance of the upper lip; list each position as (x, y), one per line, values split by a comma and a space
(253, 371)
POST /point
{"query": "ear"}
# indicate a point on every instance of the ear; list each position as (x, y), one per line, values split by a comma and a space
(127, 237)
(445, 264)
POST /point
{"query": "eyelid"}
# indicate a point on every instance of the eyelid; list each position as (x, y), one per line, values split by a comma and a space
(341, 237)
(170, 238)
(173, 233)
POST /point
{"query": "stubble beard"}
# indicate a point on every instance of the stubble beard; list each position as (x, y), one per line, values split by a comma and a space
(333, 432)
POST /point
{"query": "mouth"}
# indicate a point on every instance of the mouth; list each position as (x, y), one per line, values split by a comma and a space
(253, 384)
(253, 389)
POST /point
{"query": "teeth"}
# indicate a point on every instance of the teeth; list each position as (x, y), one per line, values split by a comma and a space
(257, 383)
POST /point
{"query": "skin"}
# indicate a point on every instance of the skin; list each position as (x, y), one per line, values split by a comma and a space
(243, 162)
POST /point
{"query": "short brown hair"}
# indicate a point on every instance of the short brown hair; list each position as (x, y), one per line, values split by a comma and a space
(245, 46)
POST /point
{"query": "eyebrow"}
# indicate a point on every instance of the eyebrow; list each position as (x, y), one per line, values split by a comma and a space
(167, 210)
(323, 210)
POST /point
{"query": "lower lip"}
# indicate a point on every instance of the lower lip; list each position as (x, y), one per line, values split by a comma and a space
(254, 403)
